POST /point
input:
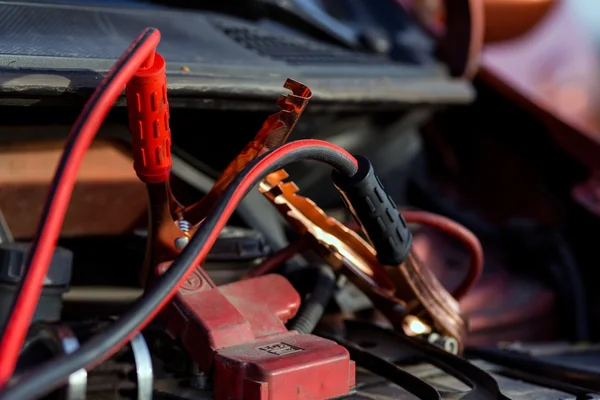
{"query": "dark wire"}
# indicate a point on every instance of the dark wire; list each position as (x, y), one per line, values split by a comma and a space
(255, 210)
(53, 374)
(79, 140)
(314, 305)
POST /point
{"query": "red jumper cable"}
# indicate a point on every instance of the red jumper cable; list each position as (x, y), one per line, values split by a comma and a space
(53, 374)
(139, 54)
(140, 60)
(236, 332)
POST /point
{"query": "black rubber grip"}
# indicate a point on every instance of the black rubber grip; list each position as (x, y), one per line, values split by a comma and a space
(376, 212)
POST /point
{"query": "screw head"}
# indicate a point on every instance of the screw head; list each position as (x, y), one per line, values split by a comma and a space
(181, 242)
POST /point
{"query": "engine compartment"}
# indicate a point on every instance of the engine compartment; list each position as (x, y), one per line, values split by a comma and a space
(479, 287)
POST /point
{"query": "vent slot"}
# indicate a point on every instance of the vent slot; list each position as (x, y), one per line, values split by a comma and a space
(292, 50)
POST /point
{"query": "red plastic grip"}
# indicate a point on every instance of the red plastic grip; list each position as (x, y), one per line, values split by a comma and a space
(148, 110)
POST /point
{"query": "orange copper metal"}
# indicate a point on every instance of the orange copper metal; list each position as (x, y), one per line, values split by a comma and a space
(393, 289)
(397, 291)
(274, 132)
(162, 228)
(165, 210)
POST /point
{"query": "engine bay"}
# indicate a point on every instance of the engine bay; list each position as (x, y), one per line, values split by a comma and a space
(279, 206)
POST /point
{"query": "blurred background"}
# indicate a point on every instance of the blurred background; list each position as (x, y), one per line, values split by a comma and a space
(483, 111)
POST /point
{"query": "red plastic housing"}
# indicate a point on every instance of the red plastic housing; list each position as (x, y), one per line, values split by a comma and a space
(237, 332)
(288, 367)
(148, 110)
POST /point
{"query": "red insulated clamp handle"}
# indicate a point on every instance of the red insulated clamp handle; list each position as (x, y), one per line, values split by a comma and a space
(149, 122)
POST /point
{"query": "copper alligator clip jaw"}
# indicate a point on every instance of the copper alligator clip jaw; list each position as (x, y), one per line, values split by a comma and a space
(171, 224)
(274, 132)
(398, 291)
(392, 289)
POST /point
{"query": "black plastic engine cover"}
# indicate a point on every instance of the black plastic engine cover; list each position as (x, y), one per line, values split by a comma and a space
(52, 50)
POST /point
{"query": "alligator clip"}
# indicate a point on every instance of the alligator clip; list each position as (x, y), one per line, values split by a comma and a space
(171, 224)
(274, 132)
(401, 292)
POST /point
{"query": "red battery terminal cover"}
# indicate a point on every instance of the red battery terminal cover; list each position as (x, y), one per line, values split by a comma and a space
(237, 333)
(148, 110)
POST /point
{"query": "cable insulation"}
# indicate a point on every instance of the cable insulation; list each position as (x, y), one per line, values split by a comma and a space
(55, 208)
(51, 375)
(314, 305)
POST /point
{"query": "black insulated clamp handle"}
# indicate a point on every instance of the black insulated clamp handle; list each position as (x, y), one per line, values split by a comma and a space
(376, 212)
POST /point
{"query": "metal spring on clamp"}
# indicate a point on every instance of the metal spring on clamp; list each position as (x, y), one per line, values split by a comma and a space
(185, 227)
